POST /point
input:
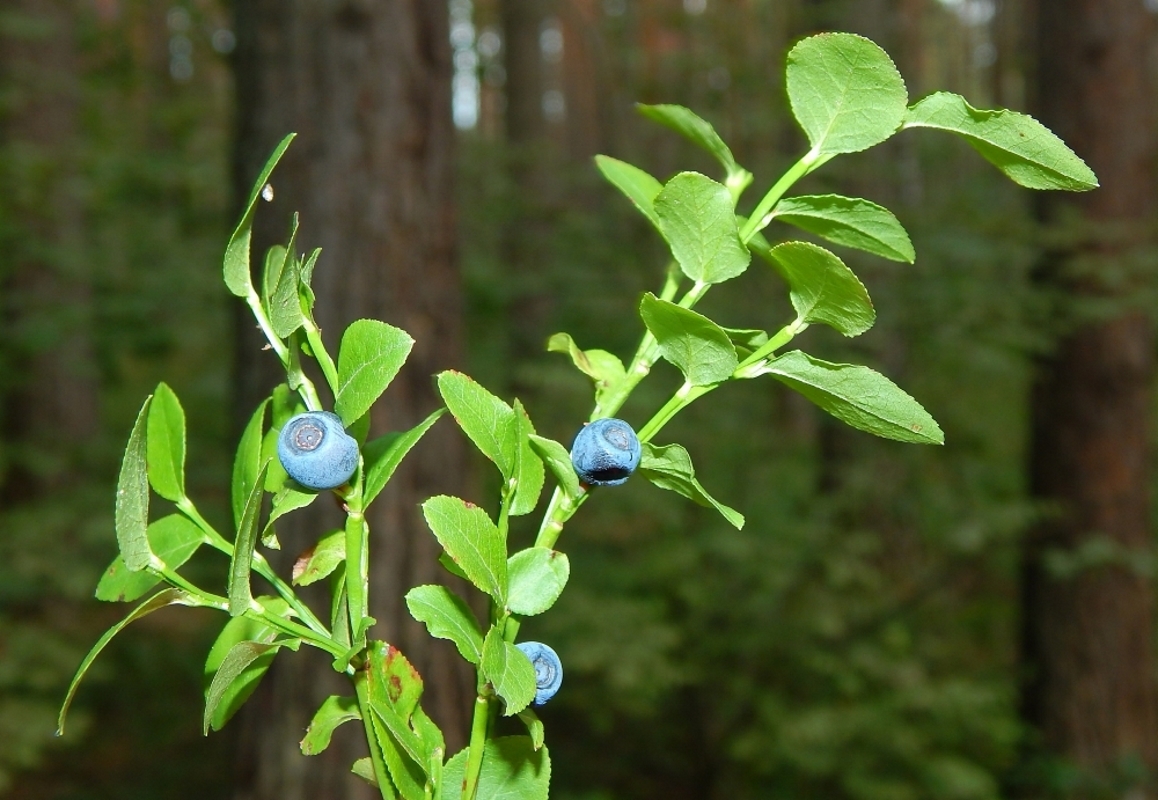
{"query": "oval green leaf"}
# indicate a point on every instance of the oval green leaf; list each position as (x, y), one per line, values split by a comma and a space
(698, 219)
(370, 356)
(131, 517)
(849, 221)
(822, 289)
(700, 348)
(537, 577)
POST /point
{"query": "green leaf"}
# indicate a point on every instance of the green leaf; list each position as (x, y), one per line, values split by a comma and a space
(849, 221)
(531, 476)
(699, 347)
(284, 403)
(165, 449)
(845, 92)
(243, 659)
(271, 271)
(822, 288)
(534, 727)
(383, 455)
(364, 769)
(670, 467)
(236, 262)
(858, 396)
(604, 368)
(537, 576)
(447, 616)
(556, 458)
(333, 712)
(469, 537)
(509, 671)
(172, 540)
(746, 340)
(132, 509)
(240, 596)
(1017, 144)
(284, 303)
(286, 500)
(164, 598)
(512, 769)
(321, 560)
(247, 462)
(698, 219)
(485, 419)
(370, 356)
(638, 186)
(394, 689)
(237, 691)
(691, 126)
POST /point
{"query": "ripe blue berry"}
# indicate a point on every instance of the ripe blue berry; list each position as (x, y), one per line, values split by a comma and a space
(316, 451)
(605, 452)
(548, 669)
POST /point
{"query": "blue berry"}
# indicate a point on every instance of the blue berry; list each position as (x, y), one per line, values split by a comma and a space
(605, 452)
(548, 669)
(316, 451)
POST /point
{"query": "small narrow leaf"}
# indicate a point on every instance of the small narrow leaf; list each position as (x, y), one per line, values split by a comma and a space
(472, 540)
(172, 539)
(534, 727)
(1017, 144)
(321, 560)
(849, 221)
(485, 419)
(691, 126)
(247, 462)
(132, 509)
(698, 219)
(236, 663)
(845, 92)
(558, 460)
(604, 368)
(334, 711)
(509, 671)
(364, 769)
(638, 186)
(670, 467)
(700, 348)
(383, 455)
(370, 356)
(537, 576)
(236, 262)
(166, 444)
(240, 595)
(858, 396)
(164, 598)
(285, 307)
(530, 475)
(822, 288)
(446, 616)
(286, 500)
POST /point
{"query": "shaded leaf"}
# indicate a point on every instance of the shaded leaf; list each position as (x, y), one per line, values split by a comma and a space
(670, 467)
(165, 444)
(240, 596)
(638, 186)
(321, 560)
(556, 458)
(334, 711)
(238, 666)
(247, 461)
(172, 539)
(512, 769)
(605, 369)
(530, 474)
(236, 261)
(694, 128)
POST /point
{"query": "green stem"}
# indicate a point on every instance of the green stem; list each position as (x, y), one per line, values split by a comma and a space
(260, 565)
(750, 366)
(314, 337)
(479, 723)
(810, 161)
(357, 576)
(381, 773)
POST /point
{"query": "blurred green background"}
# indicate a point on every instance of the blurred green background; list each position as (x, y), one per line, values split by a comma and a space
(858, 639)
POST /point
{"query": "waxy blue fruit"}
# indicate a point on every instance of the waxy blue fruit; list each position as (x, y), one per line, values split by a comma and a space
(316, 451)
(605, 452)
(548, 669)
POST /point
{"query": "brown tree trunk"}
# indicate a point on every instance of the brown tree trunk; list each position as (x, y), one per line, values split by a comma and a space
(366, 85)
(1088, 629)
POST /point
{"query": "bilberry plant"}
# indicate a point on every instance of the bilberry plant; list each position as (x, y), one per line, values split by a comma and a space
(847, 96)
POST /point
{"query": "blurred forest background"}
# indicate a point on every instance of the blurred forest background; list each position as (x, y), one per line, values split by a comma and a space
(894, 623)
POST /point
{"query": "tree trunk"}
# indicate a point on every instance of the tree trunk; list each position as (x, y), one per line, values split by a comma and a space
(366, 85)
(1088, 628)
